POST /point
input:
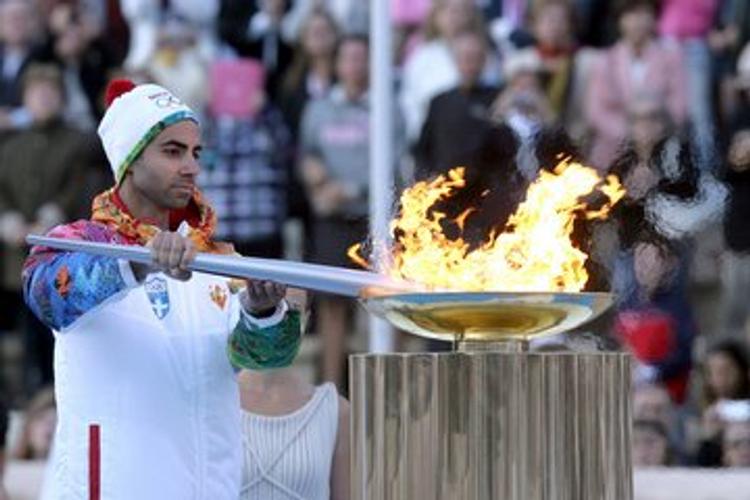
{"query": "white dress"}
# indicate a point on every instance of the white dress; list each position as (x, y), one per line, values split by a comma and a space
(289, 457)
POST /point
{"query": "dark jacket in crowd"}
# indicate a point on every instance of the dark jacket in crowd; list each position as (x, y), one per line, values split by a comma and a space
(44, 164)
(453, 129)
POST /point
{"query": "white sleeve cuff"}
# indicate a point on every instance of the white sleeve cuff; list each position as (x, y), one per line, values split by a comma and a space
(127, 273)
(273, 320)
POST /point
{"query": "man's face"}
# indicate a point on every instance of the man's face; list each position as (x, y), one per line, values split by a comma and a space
(166, 171)
(469, 53)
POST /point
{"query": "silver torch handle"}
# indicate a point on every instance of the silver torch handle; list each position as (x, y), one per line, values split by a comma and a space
(316, 277)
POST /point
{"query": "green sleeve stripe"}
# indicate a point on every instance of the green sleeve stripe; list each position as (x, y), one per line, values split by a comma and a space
(266, 348)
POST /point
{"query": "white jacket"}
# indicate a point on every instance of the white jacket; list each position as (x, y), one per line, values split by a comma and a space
(148, 405)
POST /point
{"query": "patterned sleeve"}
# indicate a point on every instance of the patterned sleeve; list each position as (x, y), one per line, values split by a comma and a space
(60, 286)
(263, 345)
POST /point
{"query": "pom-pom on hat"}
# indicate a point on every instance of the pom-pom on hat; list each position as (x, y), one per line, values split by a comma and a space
(135, 115)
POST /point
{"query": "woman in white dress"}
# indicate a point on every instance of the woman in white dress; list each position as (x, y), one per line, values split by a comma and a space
(295, 438)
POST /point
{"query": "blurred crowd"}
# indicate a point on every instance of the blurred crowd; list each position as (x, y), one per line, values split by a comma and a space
(656, 92)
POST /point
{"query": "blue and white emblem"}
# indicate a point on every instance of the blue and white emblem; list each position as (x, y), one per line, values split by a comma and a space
(156, 289)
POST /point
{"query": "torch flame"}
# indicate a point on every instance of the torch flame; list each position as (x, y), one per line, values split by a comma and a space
(534, 252)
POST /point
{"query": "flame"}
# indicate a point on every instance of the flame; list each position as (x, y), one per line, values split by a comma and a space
(534, 252)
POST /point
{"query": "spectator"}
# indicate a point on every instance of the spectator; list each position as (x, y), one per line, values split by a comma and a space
(654, 319)
(431, 68)
(283, 419)
(39, 420)
(727, 380)
(335, 170)
(83, 61)
(257, 35)
(178, 63)
(727, 372)
(650, 444)
(652, 402)
(17, 30)
(636, 65)
(523, 104)
(311, 74)
(352, 15)
(246, 177)
(686, 24)
(728, 36)
(564, 66)
(145, 18)
(452, 130)
(665, 190)
(57, 153)
(736, 264)
(736, 444)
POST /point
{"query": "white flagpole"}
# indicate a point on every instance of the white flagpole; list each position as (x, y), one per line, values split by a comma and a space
(381, 337)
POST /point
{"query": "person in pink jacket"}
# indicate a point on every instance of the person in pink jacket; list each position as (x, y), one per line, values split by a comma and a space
(635, 66)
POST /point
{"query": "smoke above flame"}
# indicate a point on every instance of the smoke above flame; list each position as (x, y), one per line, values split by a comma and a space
(534, 252)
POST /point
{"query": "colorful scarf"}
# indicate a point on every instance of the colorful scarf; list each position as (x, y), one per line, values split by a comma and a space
(110, 210)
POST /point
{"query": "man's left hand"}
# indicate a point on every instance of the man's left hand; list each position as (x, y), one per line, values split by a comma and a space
(262, 297)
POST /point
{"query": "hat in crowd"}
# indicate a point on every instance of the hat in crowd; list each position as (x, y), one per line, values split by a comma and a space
(135, 116)
(523, 61)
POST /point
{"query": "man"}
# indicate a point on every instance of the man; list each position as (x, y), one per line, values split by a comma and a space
(452, 130)
(147, 399)
(28, 205)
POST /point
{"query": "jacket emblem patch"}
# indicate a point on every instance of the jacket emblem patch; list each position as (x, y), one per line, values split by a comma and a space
(218, 296)
(156, 290)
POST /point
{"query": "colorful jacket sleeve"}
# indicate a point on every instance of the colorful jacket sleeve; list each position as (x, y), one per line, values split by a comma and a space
(60, 287)
(267, 343)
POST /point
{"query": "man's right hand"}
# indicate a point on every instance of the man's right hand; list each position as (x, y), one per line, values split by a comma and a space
(171, 254)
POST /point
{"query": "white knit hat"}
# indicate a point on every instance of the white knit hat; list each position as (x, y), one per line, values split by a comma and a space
(134, 117)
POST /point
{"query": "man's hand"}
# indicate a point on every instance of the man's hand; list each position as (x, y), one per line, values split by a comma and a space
(170, 254)
(262, 297)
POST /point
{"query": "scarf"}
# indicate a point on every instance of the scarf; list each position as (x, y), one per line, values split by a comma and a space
(109, 209)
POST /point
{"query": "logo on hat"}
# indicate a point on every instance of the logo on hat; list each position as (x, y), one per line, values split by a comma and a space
(165, 100)
(156, 290)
